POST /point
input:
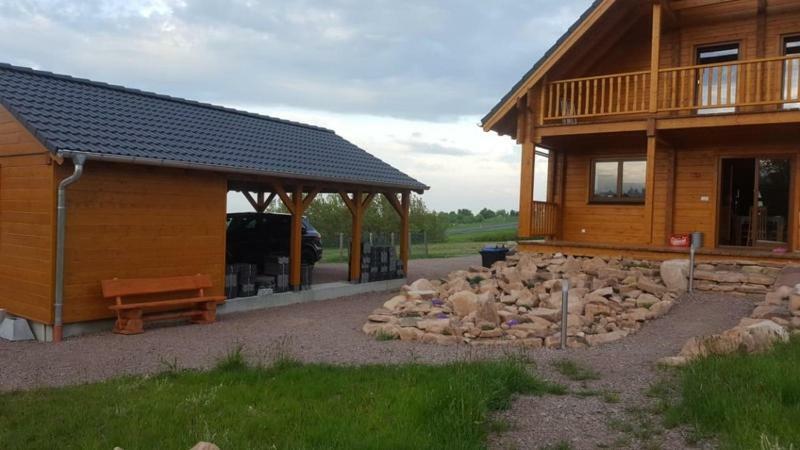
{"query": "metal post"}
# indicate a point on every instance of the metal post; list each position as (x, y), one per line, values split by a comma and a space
(370, 238)
(564, 311)
(691, 269)
(391, 238)
(341, 244)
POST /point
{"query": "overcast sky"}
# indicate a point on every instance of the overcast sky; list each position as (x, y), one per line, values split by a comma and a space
(406, 80)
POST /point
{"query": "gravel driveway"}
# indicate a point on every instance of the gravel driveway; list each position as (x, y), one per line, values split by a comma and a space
(330, 331)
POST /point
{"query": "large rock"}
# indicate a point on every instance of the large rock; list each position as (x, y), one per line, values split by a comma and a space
(422, 285)
(395, 302)
(464, 303)
(646, 300)
(604, 338)
(487, 312)
(551, 314)
(675, 274)
(794, 303)
(204, 446)
(661, 308)
(647, 285)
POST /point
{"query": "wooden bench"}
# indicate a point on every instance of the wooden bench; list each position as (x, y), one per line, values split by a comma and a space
(131, 316)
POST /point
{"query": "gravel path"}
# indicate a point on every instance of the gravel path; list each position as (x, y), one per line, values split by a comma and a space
(626, 368)
(330, 331)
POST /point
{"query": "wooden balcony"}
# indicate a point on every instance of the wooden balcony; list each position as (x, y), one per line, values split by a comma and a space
(740, 86)
(544, 219)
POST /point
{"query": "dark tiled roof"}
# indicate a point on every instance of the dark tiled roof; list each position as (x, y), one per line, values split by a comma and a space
(75, 115)
(541, 60)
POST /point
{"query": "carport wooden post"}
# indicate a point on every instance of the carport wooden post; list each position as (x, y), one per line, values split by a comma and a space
(356, 207)
(296, 204)
(296, 238)
(405, 231)
(402, 208)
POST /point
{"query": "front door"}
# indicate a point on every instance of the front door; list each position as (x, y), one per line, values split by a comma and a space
(754, 202)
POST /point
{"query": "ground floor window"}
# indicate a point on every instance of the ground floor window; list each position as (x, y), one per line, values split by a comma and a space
(618, 180)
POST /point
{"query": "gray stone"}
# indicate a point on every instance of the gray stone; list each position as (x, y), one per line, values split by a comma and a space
(675, 274)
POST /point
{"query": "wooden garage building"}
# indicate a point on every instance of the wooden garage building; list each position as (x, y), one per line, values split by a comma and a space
(151, 200)
(661, 118)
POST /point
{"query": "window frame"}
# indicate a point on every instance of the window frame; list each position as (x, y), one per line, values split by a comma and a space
(619, 198)
(787, 91)
(700, 89)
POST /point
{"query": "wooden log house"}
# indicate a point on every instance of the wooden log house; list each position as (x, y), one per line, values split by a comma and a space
(660, 118)
(152, 199)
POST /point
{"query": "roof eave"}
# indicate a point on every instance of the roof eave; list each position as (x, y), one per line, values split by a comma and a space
(175, 164)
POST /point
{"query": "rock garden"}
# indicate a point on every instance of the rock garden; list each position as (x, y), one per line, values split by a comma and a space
(772, 320)
(518, 302)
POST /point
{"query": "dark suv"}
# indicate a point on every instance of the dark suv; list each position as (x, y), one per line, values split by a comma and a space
(253, 236)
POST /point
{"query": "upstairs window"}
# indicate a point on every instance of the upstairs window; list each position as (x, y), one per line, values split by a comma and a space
(791, 72)
(618, 180)
(717, 83)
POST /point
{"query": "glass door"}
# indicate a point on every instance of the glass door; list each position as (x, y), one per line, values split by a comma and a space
(771, 208)
(754, 202)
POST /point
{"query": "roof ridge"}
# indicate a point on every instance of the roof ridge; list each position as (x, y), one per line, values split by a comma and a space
(134, 91)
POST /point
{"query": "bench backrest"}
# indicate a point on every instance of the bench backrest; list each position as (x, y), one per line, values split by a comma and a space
(143, 286)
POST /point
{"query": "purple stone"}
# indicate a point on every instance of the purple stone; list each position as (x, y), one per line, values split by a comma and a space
(513, 322)
(441, 316)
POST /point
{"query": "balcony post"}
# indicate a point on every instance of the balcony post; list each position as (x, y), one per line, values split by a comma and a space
(649, 194)
(655, 51)
(528, 161)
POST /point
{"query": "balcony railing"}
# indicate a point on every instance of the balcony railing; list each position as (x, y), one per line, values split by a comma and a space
(544, 219)
(700, 89)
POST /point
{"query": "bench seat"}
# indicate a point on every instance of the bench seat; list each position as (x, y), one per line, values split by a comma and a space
(132, 311)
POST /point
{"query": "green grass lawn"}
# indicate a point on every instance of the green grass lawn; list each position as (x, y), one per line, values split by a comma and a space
(285, 406)
(748, 402)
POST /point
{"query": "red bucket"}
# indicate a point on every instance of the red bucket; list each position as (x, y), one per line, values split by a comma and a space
(680, 240)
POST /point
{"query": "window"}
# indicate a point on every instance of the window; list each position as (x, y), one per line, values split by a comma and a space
(716, 84)
(791, 73)
(618, 180)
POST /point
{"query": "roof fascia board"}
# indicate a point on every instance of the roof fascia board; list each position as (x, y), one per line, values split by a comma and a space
(548, 63)
(156, 162)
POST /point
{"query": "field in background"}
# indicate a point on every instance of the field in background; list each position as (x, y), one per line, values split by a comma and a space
(461, 240)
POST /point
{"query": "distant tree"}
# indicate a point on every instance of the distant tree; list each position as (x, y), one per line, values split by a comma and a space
(486, 213)
(513, 213)
(501, 213)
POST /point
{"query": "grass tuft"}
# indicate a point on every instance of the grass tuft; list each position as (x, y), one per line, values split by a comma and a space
(747, 401)
(384, 336)
(575, 371)
(233, 361)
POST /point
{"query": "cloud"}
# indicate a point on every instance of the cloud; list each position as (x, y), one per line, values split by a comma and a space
(407, 81)
(412, 59)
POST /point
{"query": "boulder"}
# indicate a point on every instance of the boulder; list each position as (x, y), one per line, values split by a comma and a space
(422, 285)
(675, 274)
(646, 300)
(464, 303)
(487, 312)
(661, 308)
(394, 302)
(759, 278)
(550, 314)
(765, 334)
(204, 446)
(794, 303)
(639, 314)
(604, 338)
(769, 311)
(410, 334)
(647, 285)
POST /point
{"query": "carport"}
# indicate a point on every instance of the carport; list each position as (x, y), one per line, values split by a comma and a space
(103, 181)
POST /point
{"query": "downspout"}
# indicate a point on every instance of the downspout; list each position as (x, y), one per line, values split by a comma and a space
(61, 227)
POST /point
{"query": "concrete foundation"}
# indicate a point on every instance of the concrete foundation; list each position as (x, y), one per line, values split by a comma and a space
(318, 292)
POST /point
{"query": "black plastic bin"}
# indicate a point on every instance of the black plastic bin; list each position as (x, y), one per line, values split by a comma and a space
(491, 255)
